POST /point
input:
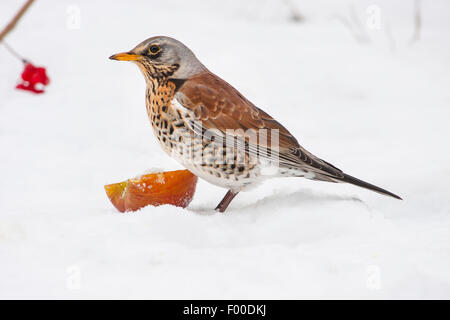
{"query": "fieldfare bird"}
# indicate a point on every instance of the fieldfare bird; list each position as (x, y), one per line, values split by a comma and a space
(214, 131)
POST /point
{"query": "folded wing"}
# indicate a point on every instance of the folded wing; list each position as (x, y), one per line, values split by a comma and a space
(219, 106)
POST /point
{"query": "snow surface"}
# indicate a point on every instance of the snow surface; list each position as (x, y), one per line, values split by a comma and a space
(378, 110)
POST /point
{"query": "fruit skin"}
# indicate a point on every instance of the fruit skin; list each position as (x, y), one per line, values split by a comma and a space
(172, 187)
(31, 76)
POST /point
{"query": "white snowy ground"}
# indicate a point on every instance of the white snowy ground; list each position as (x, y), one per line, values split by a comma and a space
(380, 111)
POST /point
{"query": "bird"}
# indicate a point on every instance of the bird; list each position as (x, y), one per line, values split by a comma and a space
(211, 129)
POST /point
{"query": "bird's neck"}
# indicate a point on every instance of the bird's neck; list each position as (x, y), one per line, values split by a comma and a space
(154, 73)
(161, 88)
(159, 95)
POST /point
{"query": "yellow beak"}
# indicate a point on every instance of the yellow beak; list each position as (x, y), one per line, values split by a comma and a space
(126, 56)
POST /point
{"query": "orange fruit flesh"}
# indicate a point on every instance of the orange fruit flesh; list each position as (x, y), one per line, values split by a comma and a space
(172, 187)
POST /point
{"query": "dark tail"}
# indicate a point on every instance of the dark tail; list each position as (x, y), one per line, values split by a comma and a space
(349, 179)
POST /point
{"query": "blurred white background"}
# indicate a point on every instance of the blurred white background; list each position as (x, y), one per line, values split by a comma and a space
(348, 78)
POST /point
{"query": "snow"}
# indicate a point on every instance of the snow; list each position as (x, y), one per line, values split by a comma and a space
(378, 110)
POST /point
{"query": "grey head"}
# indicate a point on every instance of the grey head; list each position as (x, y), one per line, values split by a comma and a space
(163, 53)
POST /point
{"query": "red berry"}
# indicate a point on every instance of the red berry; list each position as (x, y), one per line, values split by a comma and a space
(32, 76)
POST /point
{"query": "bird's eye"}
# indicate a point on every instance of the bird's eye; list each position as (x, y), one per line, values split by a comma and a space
(154, 49)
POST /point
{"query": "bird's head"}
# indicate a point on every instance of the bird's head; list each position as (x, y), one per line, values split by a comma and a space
(163, 57)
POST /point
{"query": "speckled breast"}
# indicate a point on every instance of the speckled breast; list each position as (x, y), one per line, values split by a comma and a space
(173, 126)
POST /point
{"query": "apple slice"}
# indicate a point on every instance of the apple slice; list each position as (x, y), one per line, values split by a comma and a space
(171, 187)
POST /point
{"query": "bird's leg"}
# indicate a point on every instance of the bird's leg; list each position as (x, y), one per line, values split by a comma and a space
(223, 205)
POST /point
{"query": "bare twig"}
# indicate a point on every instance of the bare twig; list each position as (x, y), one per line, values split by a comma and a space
(417, 23)
(363, 35)
(296, 16)
(390, 36)
(13, 52)
(15, 19)
(354, 25)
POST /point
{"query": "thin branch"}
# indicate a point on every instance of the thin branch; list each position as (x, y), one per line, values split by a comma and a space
(296, 16)
(13, 52)
(15, 19)
(417, 23)
(390, 36)
(354, 25)
(363, 35)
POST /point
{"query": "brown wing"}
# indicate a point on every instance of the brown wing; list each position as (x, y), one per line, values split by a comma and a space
(219, 106)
